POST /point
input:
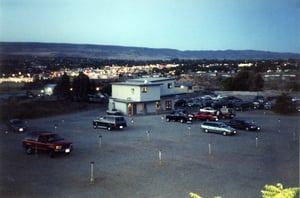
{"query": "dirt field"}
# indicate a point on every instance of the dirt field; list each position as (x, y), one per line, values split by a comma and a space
(127, 163)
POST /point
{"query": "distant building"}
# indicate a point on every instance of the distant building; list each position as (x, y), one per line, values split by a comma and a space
(142, 95)
(245, 64)
(48, 89)
(184, 87)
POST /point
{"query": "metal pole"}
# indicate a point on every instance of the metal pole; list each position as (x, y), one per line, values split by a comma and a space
(209, 148)
(256, 141)
(92, 179)
(160, 156)
(100, 140)
(148, 134)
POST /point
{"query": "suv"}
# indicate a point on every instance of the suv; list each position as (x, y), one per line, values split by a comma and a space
(46, 141)
(110, 122)
(217, 127)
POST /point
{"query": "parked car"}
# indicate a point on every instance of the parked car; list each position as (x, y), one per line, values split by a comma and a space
(218, 127)
(180, 103)
(46, 141)
(243, 105)
(17, 125)
(226, 113)
(179, 116)
(114, 112)
(208, 109)
(193, 103)
(205, 116)
(243, 124)
(258, 102)
(110, 122)
(268, 105)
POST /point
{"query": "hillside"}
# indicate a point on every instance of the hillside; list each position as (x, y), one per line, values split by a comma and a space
(132, 53)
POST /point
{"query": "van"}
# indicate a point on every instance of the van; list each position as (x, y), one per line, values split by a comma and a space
(217, 127)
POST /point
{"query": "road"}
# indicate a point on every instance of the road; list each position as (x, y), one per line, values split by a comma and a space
(153, 158)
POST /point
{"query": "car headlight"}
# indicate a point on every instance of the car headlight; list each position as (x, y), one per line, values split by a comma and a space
(21, 129)
(57, 147)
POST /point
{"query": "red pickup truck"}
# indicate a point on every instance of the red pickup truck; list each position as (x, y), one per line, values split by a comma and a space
(46, 141)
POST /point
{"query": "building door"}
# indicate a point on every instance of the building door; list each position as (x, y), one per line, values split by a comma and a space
(145, 108)
(158, 106)
(129, 109)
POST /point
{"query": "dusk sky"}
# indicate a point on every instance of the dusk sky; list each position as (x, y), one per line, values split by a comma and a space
(269, 25)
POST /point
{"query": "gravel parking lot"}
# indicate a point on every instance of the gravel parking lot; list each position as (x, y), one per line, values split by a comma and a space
(127, 163)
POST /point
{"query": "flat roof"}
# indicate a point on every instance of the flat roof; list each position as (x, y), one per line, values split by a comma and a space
(152, 81)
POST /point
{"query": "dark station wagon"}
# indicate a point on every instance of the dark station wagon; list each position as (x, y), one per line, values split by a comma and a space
(110, 122)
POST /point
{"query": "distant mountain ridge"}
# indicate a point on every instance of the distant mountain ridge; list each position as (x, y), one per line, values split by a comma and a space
(132, 53)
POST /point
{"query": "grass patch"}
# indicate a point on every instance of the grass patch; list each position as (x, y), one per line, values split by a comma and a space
(29, 109)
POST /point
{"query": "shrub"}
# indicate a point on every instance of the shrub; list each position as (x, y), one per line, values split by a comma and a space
(284, 104)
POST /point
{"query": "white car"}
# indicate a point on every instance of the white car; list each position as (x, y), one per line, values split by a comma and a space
(208, 109)
(217, 127)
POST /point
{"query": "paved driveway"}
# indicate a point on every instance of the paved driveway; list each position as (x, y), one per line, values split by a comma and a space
(127, 163)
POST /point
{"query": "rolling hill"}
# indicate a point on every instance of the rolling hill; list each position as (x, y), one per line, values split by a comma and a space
(131, 53)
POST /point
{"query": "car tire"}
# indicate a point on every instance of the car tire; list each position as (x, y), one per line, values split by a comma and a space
(224, 133)
(109, 128)
(52, 154)
(247, 129)
(182, 121)
(205, 130)
(28, 150)
(95, 126)
(167, 119)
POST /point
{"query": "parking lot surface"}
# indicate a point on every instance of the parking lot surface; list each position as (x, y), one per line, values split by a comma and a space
(153, 158)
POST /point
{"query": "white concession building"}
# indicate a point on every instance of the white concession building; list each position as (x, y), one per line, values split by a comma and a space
(142, 95)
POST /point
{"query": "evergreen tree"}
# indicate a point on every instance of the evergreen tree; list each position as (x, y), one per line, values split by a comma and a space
(81, 87)
(284, 104)
(62, 88)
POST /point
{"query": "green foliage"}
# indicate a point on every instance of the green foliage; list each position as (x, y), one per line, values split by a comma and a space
(244, 81)
(63, 87)
(293, 85)
(81, 87)
(278, 191)
(28, 109)
(194, 195)
(284, 105)
(269, 191)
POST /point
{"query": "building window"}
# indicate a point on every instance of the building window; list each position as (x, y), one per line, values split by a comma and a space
(170, 85)
(144, 89)
(168, 104)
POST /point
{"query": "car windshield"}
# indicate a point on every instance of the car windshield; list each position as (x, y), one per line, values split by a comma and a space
(54, 138)
(246, 122)
(223, 125)
(17, 122)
